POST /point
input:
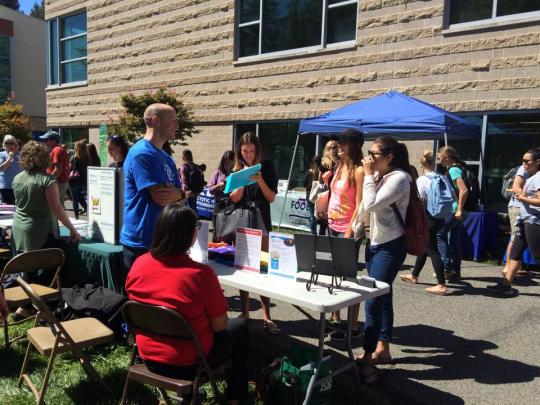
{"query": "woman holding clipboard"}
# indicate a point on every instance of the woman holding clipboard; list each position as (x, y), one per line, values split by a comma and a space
(261, 193)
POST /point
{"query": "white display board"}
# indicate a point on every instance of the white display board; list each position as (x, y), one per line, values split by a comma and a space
(103, 204)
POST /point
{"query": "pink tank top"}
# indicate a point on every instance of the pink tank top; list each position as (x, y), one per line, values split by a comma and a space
(342, 203)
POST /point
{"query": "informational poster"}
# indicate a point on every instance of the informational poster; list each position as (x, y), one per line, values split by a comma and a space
(282, 256)
(248, 249)
(205, 204)
(296, 213)
(102, 204)
(199, 251)
(103, 143)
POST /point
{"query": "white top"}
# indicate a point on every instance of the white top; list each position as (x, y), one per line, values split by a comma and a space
(317, 299)
(525, 175)
(422, 184)
(530, 213)
(395, 187)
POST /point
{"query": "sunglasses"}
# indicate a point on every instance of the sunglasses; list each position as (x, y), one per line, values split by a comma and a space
(373, 154)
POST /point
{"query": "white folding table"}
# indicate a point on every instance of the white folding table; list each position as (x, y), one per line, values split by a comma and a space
(317, 299)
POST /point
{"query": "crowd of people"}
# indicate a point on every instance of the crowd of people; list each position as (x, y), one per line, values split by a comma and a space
(367, 198)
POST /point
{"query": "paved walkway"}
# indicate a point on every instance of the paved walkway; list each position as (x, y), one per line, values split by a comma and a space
(469, 347)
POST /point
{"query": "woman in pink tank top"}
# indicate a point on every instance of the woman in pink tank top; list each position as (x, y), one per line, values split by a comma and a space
(345, 198)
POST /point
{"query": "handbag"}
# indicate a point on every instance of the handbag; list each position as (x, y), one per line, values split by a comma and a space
(240, 215)
(316, 189)
(74, 175)
(321, 205)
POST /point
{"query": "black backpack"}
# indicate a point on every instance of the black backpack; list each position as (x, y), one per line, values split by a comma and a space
(195, 178)
(508, 183)
(471, 182)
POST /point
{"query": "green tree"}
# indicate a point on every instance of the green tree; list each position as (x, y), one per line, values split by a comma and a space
(14, 4)
(38, 10)
(13, 121)
(130, 123)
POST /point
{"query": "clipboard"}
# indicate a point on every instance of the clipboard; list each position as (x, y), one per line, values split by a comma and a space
(241, 178)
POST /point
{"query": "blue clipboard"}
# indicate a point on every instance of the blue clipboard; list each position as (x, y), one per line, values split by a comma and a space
(241, 178)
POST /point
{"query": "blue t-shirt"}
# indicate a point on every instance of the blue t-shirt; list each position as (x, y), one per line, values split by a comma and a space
(513, 201)
(145, 166)
(529, 213)
(455, 173)
(6, 177)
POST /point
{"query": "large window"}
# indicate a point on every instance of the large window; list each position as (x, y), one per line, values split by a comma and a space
(5, 67)
(464, 11)
(277, 141)
(67, 49)
(270, 26)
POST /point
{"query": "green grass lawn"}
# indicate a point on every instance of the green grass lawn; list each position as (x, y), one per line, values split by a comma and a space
(70, 385)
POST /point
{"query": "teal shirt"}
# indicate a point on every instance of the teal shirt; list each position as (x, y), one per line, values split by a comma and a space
(455, 173)
(33, 221)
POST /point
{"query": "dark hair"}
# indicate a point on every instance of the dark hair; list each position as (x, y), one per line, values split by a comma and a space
(173, 232)
(227, 161)
(187, 155)
(93, 155)
(246, 139)
(535, 153)
(118, 140)
(315, 167)
(355, 140)
(400, 159)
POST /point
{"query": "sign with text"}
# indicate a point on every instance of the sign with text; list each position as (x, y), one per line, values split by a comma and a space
(282, 256)
(102, 204)
(248, 249)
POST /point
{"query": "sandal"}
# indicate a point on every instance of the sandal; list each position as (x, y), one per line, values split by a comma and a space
(271, 328)
(435, 290)
(369, 374)
(378, 358)
(408, 278)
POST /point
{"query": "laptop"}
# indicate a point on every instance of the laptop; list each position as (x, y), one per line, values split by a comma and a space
(332, 254)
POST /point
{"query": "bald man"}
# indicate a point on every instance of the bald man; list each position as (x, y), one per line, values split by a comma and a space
(151, 181)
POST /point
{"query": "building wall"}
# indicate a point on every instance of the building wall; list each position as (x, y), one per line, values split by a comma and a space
(29, 66)
(188, 46)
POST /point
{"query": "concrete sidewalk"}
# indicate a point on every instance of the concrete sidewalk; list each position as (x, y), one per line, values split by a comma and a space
(468, 347)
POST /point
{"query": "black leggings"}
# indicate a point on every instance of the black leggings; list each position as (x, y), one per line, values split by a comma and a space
(231, 343)
(527, 236)
(435, 225)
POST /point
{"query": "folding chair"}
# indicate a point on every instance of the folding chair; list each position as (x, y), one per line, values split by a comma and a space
(166, 322)
(44, 259)
(60, 337)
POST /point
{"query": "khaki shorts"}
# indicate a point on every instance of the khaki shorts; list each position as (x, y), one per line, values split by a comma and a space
(513, 214)
(62, 189)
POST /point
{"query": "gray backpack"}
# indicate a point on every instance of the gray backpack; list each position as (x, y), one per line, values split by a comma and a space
(508, 182)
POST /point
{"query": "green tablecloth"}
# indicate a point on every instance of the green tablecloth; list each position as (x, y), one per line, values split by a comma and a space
(94, 262)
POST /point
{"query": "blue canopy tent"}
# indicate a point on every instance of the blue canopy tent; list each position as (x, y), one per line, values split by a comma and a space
(392, 113)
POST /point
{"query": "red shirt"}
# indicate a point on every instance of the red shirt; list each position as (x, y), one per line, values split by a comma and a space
(186, 286)
(59, 156)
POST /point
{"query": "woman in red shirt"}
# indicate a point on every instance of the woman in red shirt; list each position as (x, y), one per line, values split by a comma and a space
(166, 276)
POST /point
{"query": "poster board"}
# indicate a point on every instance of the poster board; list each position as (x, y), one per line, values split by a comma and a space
(103, 204)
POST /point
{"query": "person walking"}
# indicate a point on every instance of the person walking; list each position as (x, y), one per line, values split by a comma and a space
(449, 237)
(263, 192)
(192, 178)
(93, 155)
(10, 166)
(387, 185)
(150, 181)
(59, 167)
(423, 184)
(528, 223)
(78, 176)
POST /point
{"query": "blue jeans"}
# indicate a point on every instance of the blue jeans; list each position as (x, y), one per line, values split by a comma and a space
(312, 219)
(383, 263)
(77, 198)
(449, 244)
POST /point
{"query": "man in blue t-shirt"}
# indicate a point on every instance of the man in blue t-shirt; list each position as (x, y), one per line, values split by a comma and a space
(150, 181)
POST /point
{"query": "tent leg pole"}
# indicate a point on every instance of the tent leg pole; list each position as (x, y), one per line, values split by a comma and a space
(288, 182)
(445, 139)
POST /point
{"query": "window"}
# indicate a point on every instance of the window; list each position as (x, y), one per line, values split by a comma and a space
(5, 67)
(270, 26)
(464, 11)
(72, 135)
(67, 49)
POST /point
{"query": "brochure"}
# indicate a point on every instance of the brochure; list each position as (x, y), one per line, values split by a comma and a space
(282, 256)
(248, 249)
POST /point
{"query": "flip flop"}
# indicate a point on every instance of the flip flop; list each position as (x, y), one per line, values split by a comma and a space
(407, 278)
(377, 358)
(271, 328)
(432, 291)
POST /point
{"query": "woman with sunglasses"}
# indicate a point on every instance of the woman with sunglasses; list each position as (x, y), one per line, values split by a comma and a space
(166, 276)
(387, 186)
(118, 149)
(345, 199)
(10, 166)
(527, 224)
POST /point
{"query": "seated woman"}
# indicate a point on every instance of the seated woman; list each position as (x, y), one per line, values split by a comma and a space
(167, 276)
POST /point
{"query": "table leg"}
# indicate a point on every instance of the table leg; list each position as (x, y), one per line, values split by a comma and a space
(314, 377)
(349, 345)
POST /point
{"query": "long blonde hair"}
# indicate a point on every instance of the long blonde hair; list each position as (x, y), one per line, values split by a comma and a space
(330, 158)
(427, 160)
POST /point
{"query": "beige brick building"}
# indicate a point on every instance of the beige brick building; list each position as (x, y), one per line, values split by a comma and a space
(227, 60)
